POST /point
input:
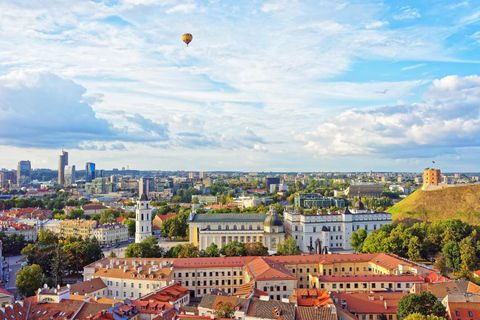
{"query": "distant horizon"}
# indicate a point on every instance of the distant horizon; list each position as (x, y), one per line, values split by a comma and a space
(295, 86)
(119, 170)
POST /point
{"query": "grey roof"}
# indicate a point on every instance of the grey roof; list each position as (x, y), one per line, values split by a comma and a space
(207, 301)
(308, 313)
(144, 197)
(265, 309)
(229, 217)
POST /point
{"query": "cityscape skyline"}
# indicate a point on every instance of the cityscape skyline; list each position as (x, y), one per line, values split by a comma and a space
(263, 86)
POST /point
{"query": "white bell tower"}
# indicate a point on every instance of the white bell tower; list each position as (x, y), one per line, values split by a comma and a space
(143, 219)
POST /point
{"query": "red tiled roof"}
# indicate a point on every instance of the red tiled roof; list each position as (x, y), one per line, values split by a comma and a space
(313, 297)
(166, 216)
(435, 277)
(464, 310)
(212, 262)
(263, 270)
(369, 303)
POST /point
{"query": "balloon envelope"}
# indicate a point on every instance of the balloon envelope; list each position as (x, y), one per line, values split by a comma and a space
(187, 38)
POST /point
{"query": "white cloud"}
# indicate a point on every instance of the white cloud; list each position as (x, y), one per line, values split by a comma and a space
(407, 13)
(448, 120)
(183, 8)
(273, 6)
(40, 109)
(414, 66)
(376, 24)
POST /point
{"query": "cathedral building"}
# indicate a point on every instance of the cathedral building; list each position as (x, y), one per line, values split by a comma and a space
(143, 219)
(223, 228)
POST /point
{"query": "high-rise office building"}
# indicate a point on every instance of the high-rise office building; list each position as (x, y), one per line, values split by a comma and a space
(100, 174)
(62, 162)
(89, 171)
(200, 175)
(70, 175)
(3, 179)
(146, 186)
(23, 172)
(191, 175)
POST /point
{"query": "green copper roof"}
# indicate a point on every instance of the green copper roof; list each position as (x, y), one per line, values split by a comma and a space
(230, 217)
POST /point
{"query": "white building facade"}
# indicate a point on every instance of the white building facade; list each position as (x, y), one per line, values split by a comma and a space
(110, 233)
(332, 232)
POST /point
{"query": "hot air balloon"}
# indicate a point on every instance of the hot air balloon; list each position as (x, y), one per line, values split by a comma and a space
(187, 38)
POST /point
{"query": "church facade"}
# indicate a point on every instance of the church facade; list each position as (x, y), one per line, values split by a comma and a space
(332, 232)
(223, 228)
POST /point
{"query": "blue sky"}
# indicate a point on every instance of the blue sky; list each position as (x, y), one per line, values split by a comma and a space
(264, 85)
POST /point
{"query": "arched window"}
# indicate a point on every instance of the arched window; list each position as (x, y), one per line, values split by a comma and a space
(219, 227)
(235, 227)
(250, 227)
(208, 227)
(258, 227)
(142, 216)
(147, 217)
(227, 228)
(147, 205)
(243, 227)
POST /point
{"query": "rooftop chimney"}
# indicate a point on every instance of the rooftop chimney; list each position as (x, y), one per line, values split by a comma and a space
(385, 303)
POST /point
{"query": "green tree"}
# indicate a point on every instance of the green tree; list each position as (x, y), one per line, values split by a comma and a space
(233, 249)
(357, 239)
(414, 247)
(46, 237)
(145, 249)
(256, 249)
(30, 251)
(467, 254)
(76, 214)
(131, 226)
(419, 316)
(440, 264)
(112, 254)
(188, 251)
(424, 303)
(288, 247)
(108, 216)
(59, 266)
(210, 251)
(451, 253)
(29, 279)
(225, 311)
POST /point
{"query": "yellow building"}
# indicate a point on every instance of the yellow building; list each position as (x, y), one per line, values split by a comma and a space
(77, 228)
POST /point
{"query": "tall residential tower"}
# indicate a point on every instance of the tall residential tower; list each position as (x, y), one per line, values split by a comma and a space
(62, 162)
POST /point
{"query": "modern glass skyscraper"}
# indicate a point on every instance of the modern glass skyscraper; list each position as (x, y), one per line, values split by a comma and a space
(23, 172)
(70, 175)
(89, 171)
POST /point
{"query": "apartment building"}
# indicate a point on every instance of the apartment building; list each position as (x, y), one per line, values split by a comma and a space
(202, 275)
(110, 233)
(362, 283)
(76, 228)
(276, 276)
(131, 277)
